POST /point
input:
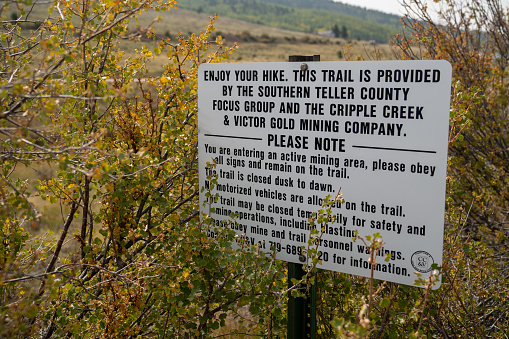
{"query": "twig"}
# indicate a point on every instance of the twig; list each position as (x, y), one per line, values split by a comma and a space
(51, 264)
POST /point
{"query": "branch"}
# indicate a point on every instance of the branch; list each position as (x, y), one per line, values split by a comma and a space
(17, 105)
(58, 248)
(63, 96)
(22, 196)
(50, 151)
(116, 22)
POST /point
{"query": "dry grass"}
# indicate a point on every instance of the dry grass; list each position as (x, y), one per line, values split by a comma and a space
(256, 43)
(263, 43)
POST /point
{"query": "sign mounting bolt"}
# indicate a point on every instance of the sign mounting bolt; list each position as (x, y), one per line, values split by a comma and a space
(302, 258)
(304, 67)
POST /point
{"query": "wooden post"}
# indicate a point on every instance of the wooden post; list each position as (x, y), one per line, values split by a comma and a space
(301, 311)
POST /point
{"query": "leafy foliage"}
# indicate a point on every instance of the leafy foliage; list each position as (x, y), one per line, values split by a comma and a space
(124, 148)
(475, 42)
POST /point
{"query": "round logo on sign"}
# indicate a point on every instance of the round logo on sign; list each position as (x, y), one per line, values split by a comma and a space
(422, 261)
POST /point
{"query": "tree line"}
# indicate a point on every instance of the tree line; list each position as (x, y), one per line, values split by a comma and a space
(295, 18)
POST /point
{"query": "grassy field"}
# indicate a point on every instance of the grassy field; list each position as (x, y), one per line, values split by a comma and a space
(256, 43)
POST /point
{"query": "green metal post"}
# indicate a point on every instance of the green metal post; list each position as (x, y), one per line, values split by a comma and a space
(301, 311)
(297, 310)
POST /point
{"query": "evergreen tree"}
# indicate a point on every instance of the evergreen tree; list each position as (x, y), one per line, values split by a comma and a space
(336, 31)
(344, 32)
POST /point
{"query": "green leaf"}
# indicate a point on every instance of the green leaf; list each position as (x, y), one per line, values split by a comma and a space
(385, 302)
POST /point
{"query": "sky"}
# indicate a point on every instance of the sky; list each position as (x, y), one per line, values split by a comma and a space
(388, 6)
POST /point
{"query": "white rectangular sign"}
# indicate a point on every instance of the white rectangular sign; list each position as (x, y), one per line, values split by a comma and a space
(286, 135)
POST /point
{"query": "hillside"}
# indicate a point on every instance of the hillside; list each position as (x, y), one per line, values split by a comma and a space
(339, 7)
(257, 43)
(366, 25)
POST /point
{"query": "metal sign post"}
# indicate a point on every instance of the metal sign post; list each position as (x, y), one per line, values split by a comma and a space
(301, 311)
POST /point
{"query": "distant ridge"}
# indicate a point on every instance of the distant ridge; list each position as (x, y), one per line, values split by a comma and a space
(305, 16)
(339, 7)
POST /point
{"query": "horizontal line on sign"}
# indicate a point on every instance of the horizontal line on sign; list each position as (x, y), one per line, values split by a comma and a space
(395, 149)
(230, 136)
